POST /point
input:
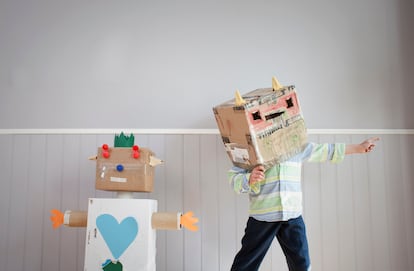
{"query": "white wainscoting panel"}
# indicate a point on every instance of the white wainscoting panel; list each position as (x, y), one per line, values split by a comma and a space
(359, 213)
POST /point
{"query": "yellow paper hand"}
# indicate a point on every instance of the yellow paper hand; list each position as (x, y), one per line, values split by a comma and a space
(188, 220)
(56, 218)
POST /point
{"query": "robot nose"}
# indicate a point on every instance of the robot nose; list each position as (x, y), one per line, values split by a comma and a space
(119, 167)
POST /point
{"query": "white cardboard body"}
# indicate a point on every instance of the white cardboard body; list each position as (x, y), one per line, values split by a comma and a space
(140, 253)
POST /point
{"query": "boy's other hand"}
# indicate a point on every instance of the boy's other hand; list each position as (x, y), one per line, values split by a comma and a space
(257, 174)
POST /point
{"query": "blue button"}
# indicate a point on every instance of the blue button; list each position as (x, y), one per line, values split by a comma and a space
(120, 167)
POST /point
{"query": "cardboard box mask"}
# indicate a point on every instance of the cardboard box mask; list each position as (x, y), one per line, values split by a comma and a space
(266, 128)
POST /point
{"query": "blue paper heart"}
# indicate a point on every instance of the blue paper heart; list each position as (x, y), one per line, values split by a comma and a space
(118, 236)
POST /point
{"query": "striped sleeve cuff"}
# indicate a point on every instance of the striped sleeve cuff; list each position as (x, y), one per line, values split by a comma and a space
(339, 153)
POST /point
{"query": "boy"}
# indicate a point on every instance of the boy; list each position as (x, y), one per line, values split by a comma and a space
(275, 198)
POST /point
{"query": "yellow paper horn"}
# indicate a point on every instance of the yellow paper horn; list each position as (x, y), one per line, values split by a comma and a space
(275, 84)
(239, 99)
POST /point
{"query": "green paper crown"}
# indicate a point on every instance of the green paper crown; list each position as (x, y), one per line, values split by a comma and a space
(124, 141)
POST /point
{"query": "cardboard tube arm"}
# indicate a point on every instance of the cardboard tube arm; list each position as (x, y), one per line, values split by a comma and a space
(75, 218)
(166, 221)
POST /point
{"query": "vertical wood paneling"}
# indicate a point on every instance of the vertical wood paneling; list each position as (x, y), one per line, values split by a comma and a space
(407, 169)
(362, 222)
(209, 224)
(275, 259)
(18, 204)
(192, 200)
(227, 237)
(87, 147)
(345, 200)
(53, 189)
(70, 200)
(329, 212)
(35, 204)
(174, 166)
(359, 213)
(378, 207)
(395, 207)
(157, 144)
(6, 160)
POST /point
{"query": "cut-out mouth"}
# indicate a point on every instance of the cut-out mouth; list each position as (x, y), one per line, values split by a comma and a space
(274, 115)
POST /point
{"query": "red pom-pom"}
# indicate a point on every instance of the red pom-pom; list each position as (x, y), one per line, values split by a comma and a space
(136, 154)
(105, 154)
(135, 148)
(105, 146)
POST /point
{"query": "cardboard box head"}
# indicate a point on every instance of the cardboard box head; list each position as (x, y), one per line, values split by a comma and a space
(266, 128)
(118, 169)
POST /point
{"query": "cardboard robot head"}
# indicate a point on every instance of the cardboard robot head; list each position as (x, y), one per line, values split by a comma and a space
(125, 167)
(264, 126)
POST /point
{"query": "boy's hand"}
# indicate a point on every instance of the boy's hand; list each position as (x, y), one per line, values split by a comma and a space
(366, 146)
(257, 174)
(369, 144)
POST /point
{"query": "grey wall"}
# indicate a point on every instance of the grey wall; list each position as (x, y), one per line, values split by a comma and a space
(164, 64)
(359, 214)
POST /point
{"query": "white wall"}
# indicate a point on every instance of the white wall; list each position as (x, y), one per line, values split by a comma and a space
(164, 64)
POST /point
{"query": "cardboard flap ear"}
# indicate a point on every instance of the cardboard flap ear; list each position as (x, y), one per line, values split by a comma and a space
(154, 161)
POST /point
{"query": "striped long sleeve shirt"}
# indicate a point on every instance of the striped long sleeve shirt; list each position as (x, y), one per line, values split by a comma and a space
(279, 196)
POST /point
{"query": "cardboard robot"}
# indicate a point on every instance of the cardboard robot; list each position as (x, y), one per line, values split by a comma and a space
(121, 232)
(264, 126)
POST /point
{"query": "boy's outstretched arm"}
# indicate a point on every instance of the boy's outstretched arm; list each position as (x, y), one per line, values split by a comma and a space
(363, 147)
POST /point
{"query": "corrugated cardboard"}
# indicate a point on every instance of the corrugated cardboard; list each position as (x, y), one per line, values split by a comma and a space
(137, 174)
(267, 129)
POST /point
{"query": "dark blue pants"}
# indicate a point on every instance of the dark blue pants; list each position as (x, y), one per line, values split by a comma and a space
(258, 237)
